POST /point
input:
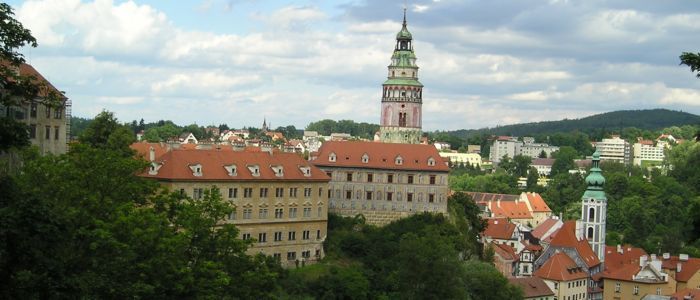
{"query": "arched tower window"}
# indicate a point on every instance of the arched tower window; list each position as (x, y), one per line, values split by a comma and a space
(591, 214)
(402, 119)
(589, 234)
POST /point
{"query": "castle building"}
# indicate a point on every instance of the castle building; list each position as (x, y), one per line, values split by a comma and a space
(383, 181)
(402, 94)
(279, 198)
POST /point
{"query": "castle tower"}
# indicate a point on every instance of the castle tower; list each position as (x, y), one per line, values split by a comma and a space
(593, 209)
(402, 94)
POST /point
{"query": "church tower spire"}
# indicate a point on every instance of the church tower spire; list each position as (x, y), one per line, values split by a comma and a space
(593, 209)
(402, 94)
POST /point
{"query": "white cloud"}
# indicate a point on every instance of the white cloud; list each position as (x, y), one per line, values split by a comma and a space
(681, 96)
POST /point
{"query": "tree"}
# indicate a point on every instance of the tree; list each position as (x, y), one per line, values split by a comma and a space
(692, 60)
(563, 160)
(483, 281)
(105, 132)
(521, 165)
(532, 177)
(543, 154)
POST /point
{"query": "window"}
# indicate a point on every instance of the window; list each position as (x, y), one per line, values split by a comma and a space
(47, 132)
(348, 194)
(293, 192)
(556, 285)
(410, 179)
(306, 254)
(182, 192)
(658, 291)
(389, 196)
(197, 193)
(320, 212)
(262, 237)
(279, 213)
(330, 193)
(247, 213)
(232, 215)
(318, 234)
(349, 177)
(431, 198)
(402, 118)
(278, 236)
(291, 255)
(262, 213)
(370, 177)
(263, 192)
(409, 197)
(56, 132)
(432, 179)
(398, 160)
(307, 192)
(279, 192)
(32, 131)
(591, 214)
(58, 113)
(246, 236)
(525, 269)
(307, 212)
(368, 195)
(331, 157)
(48, 112)
(365, 158)
(247, 192)
(32, 110)
(292, 236)
(277, 256)
(233, 192)
(305, 235)
(590, 233)
(320, 192)
(390, 178)
(636, 290)
(293, 212)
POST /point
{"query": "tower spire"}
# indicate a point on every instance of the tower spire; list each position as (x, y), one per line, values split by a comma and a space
(404, 16)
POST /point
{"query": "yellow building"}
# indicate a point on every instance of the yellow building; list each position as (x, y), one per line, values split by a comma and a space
(634, 281)
(456, 158)
(567, 280)
(684, 269)
(383, 181)
(279, 198)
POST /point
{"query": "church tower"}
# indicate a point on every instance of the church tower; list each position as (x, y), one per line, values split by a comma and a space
(593, 209)
(402, 94)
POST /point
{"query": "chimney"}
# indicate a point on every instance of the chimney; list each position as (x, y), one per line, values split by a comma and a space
(619, 249)
(679, 267)
(683, 257)
(151, 154)
(666, 255)
(643, 261)
(653, 257)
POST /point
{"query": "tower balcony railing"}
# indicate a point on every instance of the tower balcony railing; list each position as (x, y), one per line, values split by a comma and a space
(401, 99)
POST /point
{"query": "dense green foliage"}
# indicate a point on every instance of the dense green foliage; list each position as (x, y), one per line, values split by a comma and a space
(425, 256)
(326, 127)
(692, 60)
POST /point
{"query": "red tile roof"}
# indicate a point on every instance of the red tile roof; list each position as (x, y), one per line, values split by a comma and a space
(143, 148)
(28, 70)
(688, 267)
(623, 272)
(692, 294)
(176, 166)
(499, 228)
(381, 156)
(560, 267)
(532, 287)
(566, 237)
(543, 162)
(629, 255)
(486, 197)
(537, 203)
(544, 227)
(505, 251)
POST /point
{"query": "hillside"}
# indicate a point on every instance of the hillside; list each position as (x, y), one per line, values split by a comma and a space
(650, 119)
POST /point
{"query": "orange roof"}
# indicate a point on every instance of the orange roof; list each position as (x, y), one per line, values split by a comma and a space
(566, 237)
(381, 156)
(537, 203)
(499, 228)
(505, 251)
(531, 247)
(560, 267)
(629, 255)
(532, 287)
(623, 272)
(28, 70)
(688, 267)
(486, 197)
(176, 165)
(544, 227)
(503, 205)
(692, 294)
(143, 148)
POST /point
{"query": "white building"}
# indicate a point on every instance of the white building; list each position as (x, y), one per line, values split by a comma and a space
(614, 149)
(646, 151)
(462, 158)
(543, 165)
(510, 146)
(441, 146)
(311, 141)
(533, 150)
(503, 146)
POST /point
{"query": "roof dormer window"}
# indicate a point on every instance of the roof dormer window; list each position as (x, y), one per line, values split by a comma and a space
(196, 169)
(365, 158)
(278, 170)
(231, 169)
(153, 170)
(431, 161)
(306, 170)
(331, 157)
(254, 170)
(398, 160)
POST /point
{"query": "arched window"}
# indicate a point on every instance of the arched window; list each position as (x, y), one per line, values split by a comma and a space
(331, 157)
(591, 214)
(590, 233)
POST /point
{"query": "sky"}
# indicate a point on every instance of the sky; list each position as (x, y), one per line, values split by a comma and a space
(483, 63)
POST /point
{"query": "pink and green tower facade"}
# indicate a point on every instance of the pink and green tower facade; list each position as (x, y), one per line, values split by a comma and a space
(402, 97)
